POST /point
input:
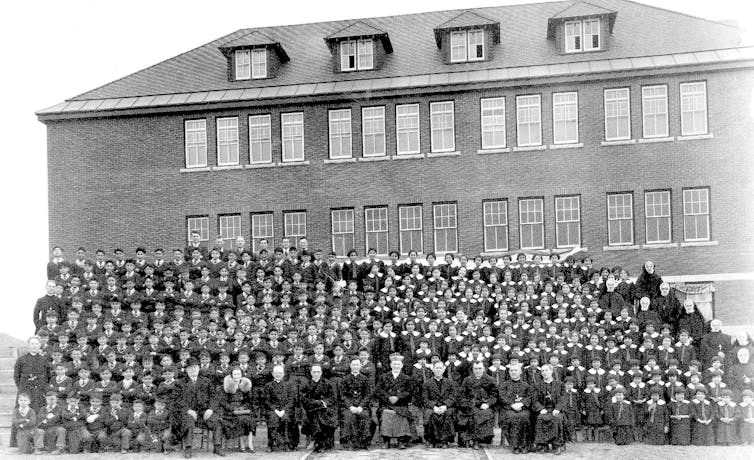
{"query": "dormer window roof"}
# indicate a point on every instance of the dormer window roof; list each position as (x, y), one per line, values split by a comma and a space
(580, 13)
(359, 30)
(468, 20)
(358, 46)
(255, 39)
(249, 56)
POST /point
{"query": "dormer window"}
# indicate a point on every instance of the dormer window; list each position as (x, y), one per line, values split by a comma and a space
(582, 35)
(467, 45)
(356, 55)
(251, 63)
(253, 56)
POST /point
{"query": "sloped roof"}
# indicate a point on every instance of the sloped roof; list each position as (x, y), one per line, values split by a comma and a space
(465, 20)
(580, 9)
(642, 31)
(360, 29)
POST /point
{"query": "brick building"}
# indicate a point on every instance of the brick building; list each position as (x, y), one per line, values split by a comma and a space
(607, 124)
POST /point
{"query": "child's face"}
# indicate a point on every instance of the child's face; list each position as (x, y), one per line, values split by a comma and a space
(23, 401)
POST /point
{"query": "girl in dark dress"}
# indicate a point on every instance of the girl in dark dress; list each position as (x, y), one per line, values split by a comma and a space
(657, 421)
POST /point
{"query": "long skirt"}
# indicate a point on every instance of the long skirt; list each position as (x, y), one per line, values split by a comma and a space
(516, 428)
(701, 434)
(680, 432)
(747, 431)
(726, 433)
(356, 428)
(623, 434)
(549, 429)
(279, 432)
(394, 425)
(235, 426)
(439, 429)
(654, 433)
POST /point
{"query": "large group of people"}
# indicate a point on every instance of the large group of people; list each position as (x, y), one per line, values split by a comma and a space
(135, 353)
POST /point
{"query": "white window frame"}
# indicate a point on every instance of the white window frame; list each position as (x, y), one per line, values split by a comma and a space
(373, 131)
(476, 38)
(590, 32)
(696, 204)
(565, 117)
(407, 124)
(442, 123)
(294, 224)
(347, 53)
(531, 215)
(242, 61)
(617, 110)
(407, 227)
(227, 141)
(614, 217)
(529, 105)
(342, 224)
(362, 53)
(262, 229)
(200, 224)
(493, 122)
(195, 134)
(495, 218)
(259, 63)
(445, 220)
(376, 229)
(229, 226)
(339, 122)
(365, 54)
(568, 213)
(654, 106)
(579, 35)
(291, 123)
(463, 42)
(655, 212)
(694, 108)
(260, 139)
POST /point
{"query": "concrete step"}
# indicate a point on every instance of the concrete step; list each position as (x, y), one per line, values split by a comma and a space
(7, 362)
(8, 388)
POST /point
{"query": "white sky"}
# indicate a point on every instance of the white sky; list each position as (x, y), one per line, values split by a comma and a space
(53, 50)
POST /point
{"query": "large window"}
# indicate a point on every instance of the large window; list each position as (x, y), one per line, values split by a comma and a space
(260, 139)
(617, 114)
(446, 227)
(693, 108)
(198, 224)
(230, 229)
(375, 226)
(565, 118)
(356, 55)
(373, 131)
(342, 231)
(340, 133)
(582, 35)
(495, 225)
(410, 228)
(262, 227)
(567, 221)
(443, 126)
(620, 219)
(227, 141)
(531, 223)
(657, 215)
(243, 65)
(654, 106)
(294, 224)
(696, 214)
(493, 123)
(407, 128)
(466, 45)
(528, 120)
(292, 134)
(196, 143)
(259, 63)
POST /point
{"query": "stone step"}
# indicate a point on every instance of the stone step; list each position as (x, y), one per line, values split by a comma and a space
(8, 388)
(7, 362)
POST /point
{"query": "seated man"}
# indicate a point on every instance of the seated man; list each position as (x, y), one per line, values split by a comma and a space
(198, 406)
(516, 402)
(548, 403)
(394, 395)
(476, 419)
(355, 400)
(439, 397)
(280, 401)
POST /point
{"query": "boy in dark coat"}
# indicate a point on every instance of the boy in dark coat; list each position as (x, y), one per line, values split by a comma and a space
(620, 417)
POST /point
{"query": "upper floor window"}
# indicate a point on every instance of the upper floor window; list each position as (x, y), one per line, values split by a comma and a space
(373, 131)
(693, 108)
(696, 214)
(565, 118)
(243, 65)
(227, 141)
(442, 126)
(529, 120)
(582, 35)
(531, 223)
(617, 114)
(292, 134)
(196, 143)
(654, 106)
(620, 219)
(340, 133)
(467, 45)
(493, 123)
(259, 63)
(407, 128)
(356, 55)
(260, 139)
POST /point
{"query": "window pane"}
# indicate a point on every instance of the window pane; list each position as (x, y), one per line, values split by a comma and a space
(373, 131)
(442, 125)
(410, 228)
(407, 128)
(445, 223)
(573, 36)
(342, 231)
(476, 45)
(655, 111)
(259, 63)
(696, 215)
(565, 114)
(617, 114)
(568, 221)
(528, 120)
(196, 143)
(620, 219)
(365, 54)
(376, 229)
(260, 139)
(294, 224)
(693, 108)
(348, 55)
(458, 46)
(531, 223)
(495, 225)
(227, 141)
(591, 34)
(340, 133)
(292, 134)
(243, 67)
(657, 212)
(198, 224)
(493, 123)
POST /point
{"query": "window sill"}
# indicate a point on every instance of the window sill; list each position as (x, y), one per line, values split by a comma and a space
(407, 156)
(494, 253)
(226, 168)
(621, 248)
(566, 146)
(493, 151)
(379, 158)
(691, 244)
(201, 169)
(530, 149)
(259, 165)
(653, 140)
(454, 153)
(659, 246)
(623, 142)
(695, 137)
(339, 160)
(292, 163)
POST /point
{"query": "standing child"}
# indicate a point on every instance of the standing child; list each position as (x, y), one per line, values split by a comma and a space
(726, 419)
(746, 414)
(572, 410)
(158, 426)
(680, 418)
(702, 433)
(657, 422)
(620, 416)
(25, 422)
(591, 408)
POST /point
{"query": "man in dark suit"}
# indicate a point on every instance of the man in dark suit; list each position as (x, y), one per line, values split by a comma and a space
(47, 303)
(198, 406)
